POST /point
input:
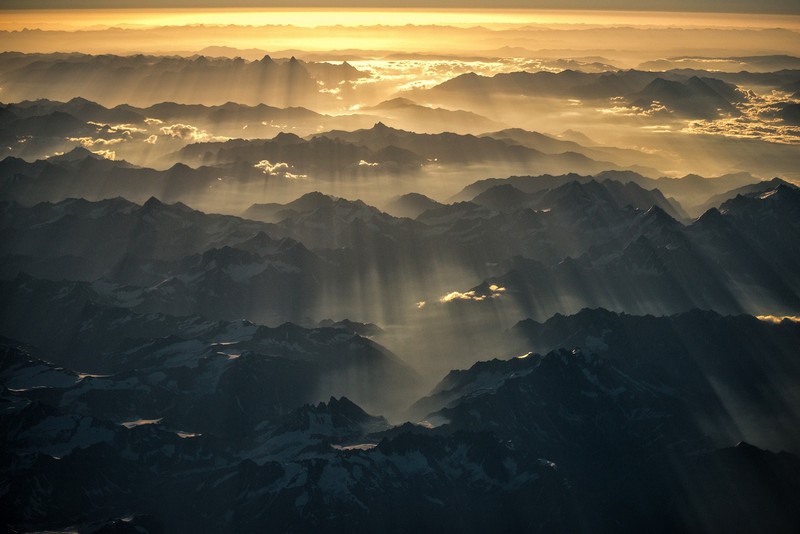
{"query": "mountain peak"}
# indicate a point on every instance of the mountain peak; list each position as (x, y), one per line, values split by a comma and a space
(399, 102)
(658, 215)
(76, 154)
(501, 197)
(310, 202)
(711, 217)
(152, 203)
(287, 138)
(80, 100)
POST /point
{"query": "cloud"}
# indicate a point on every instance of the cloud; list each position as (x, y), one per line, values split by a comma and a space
(778, 318)
(619, 108)
(108, 154)
(187, 132)
(268, 167)
(456, 295)
(279, 168)
(125, 129)
(409, 74)
(493, 293)
(89, 142)
(151, 140)
(758, 120)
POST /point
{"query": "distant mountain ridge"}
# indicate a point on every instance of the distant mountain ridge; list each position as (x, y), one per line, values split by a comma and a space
(685, 94)
(61, 77)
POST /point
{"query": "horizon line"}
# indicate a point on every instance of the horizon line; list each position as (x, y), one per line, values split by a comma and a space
(96, 5)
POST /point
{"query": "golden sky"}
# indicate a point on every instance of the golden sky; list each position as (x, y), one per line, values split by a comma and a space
(67, 19)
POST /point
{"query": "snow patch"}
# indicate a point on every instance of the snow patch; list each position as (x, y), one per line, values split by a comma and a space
(356, 447)
(141, 422)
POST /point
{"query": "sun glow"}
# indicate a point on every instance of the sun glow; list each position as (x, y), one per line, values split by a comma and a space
(83, 19)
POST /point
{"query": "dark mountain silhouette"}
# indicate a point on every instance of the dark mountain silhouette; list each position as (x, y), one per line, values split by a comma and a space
(576, 196)
(406, 114)
(450, 148)
(144, 80)
(671, 350)
(686, 190)
(655, 265)
(703, 98)
(758, 188)
(790, 113)
(53, 124)
(96, 338)
(573, 404)
(320, 157)
(411, 205)
(80, 108)
(577, 340)
(552, 145)
(639, 86)
(81, 173)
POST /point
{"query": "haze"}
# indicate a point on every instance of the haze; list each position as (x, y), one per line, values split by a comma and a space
(309, 269)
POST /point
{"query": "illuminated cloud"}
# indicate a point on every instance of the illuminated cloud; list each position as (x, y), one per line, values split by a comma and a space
(619, 107)
(758, 120)
(455, 295)
(124, 129)
(152, 139)
(187, 132)
(494, 292)
(89, 142)
(364, 163)
(410, 74)
(153, 122)
(108, 154)
(778, 318)
(267, 167)
(279, 168)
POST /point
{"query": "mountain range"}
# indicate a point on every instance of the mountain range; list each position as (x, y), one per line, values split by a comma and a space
(144, 80)
(486, 281)
(685, 95)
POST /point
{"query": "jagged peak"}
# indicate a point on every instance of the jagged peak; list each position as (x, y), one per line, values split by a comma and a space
(315, 195)
(711, 216)
(77, 153)
(180, 167)
(152, 203)
(658, 213)
(81, 100)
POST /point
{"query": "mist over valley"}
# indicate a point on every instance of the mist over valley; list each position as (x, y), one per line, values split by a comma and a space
(392, 270)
